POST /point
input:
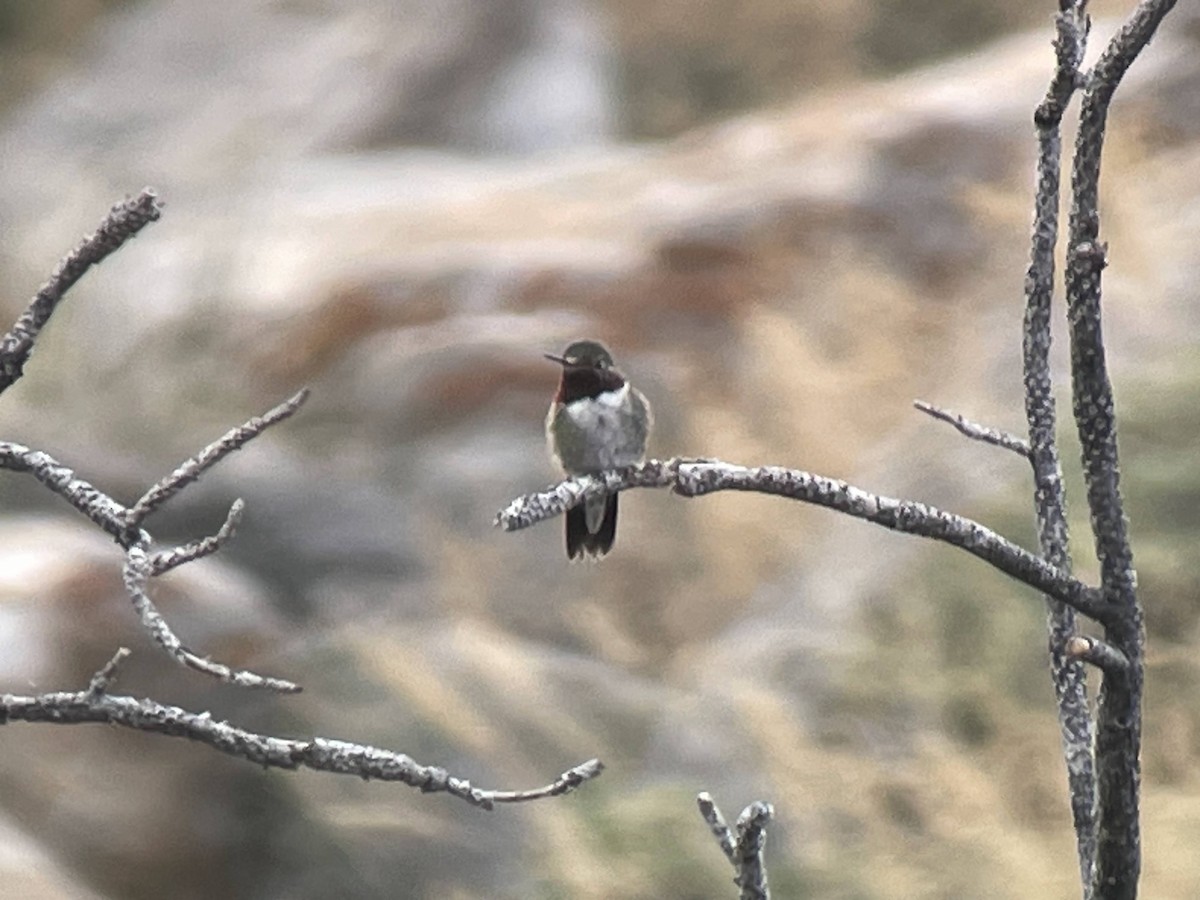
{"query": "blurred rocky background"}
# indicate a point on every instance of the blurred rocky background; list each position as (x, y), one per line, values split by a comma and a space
(789, 220)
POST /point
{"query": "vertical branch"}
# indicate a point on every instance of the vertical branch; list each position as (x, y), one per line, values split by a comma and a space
(1118, 737)
(1066, 672)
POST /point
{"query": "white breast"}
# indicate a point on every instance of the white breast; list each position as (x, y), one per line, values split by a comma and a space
(598, 413)
(603, 432)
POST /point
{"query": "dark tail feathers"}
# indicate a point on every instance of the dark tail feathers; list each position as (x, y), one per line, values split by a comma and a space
(580, 541)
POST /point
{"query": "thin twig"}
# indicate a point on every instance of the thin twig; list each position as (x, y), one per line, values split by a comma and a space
(106, 675)
(564, 784)
(692, 479)
(166, 560)
(95, 704)
(1100, 654)
(121, 224)
(716, 824)
(976, 432)
(191, 470)
(138, 570)
(319, 754)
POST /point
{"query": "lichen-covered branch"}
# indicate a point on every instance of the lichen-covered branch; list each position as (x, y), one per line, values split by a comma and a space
(95, 704)
(695, 478)
(137, 572)
(190, 471)
(743, 847)
(1050, 508)
(1119, 723)
(121, 224)
(140, 563)
(976, 432)
(102, 509)
(166, 560)
(124, 221)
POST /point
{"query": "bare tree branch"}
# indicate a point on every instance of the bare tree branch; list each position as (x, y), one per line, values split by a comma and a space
(138, 570)
(1103, 656)
(140, 564)
(694, 479)
(191, 470)
(752, 838)
(121, 224)
(107, 674)
(564, 784)
(744, 850)
(1066, 672)
(102, 509)
(1119, 724)
(166, 560)
(1072, 26)
(319, 754)
(976, 432)
(716, 823)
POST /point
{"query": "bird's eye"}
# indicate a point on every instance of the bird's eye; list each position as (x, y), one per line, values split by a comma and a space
(602, 364)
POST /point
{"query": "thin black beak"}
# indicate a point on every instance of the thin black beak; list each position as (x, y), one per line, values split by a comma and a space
(557, 359)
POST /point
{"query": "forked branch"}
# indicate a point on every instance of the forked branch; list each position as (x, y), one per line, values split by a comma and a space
(141, 564)
(743, 845)
(121, 224)
(95, 704)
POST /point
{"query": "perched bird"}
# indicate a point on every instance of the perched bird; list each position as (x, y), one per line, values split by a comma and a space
(598, 421)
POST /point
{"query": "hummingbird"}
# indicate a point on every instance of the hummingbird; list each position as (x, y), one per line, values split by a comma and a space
(598, 421)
